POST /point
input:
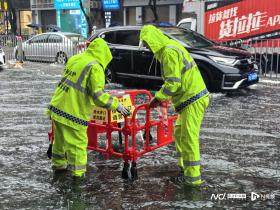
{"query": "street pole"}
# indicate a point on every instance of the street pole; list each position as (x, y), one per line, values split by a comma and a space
(7, 22)
(19, 22)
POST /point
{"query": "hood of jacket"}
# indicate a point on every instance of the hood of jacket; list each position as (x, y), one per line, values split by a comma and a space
(99, 50)
(154, 38)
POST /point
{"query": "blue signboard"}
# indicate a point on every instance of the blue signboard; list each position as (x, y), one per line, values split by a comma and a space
(66, 4)
(109, 5)
(83, 24)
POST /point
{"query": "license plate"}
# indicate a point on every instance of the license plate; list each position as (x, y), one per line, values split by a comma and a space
(252, 77)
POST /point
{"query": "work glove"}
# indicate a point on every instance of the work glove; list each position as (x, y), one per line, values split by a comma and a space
(154, 103)
(123, 110)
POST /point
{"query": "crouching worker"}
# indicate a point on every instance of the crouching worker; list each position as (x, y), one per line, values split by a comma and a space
(184, 86)
(80, 89)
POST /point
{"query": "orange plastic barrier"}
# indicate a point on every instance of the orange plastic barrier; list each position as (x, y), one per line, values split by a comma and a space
(129, 130)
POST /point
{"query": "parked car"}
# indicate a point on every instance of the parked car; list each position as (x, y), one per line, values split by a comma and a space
(52, 47)
(2, 58)
(222, 68)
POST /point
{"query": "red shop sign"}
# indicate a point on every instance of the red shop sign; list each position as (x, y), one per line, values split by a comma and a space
(242, 19)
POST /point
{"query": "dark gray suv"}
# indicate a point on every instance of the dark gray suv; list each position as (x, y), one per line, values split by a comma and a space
(222, 68)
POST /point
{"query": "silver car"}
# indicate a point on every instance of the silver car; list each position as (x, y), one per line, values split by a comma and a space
(52, 47)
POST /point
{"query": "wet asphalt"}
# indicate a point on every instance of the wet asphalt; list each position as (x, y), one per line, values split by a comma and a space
(240, 145)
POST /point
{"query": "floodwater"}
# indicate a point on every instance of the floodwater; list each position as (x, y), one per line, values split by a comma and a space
(240, 141)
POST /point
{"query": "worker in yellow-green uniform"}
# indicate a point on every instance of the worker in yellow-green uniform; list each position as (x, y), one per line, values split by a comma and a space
(184, 86)
(80, 89)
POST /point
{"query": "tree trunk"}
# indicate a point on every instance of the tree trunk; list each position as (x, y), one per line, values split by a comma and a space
(89, 23)
(12, 16)
(153, 7)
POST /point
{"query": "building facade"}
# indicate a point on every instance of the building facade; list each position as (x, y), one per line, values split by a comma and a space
(138, 12)
(43, 13)
(3, 17)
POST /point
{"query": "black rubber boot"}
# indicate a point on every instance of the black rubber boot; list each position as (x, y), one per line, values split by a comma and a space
(49, 152)
(151, 137)
(126, 171)
(133, 171)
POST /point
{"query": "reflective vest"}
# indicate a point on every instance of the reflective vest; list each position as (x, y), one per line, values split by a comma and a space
(182, 79)
(79, 91)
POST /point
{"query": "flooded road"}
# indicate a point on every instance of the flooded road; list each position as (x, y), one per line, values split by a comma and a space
(240, 145)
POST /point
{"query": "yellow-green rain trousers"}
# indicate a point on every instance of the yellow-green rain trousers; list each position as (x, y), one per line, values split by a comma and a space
(71, 142)
(80, 89)
(184, 86)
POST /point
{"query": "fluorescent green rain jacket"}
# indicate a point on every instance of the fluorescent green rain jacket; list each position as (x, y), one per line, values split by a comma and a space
(182, 79)
(81, 87)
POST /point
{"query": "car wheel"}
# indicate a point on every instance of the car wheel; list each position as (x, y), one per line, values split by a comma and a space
(206, 80)
(61, 58)
(109, 76)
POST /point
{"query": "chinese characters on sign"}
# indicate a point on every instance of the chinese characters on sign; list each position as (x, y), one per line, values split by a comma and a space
(243, 24)
(222, 15)
(83, 25)
(243, 19)
(66, 4)
(109, 5)
(101, 115)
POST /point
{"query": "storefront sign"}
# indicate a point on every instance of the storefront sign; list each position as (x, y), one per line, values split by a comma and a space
(66, 4)
(243, 19)
(83, 24)
(109, 5)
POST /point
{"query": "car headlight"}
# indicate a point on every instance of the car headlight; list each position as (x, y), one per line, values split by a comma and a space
(224, 60)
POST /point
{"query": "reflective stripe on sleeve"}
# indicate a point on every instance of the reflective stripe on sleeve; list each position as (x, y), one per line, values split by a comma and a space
(172, 79)
(188, 66)
(99, 93)
(109, 103)
(168, 92)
